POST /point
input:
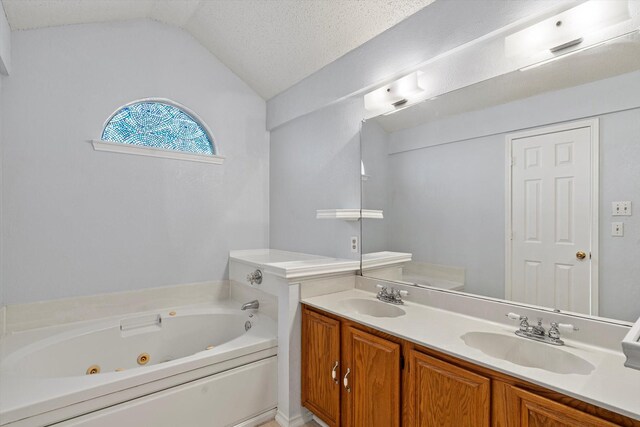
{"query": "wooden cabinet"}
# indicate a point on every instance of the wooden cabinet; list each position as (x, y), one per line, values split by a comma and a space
(371, 373)
(375, 387)
(442, 394)
(527, 409)
(320, 366)
(349, 377)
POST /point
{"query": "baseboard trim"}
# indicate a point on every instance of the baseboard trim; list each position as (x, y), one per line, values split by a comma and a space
(319, 421)
(297, 421)
(258, 419)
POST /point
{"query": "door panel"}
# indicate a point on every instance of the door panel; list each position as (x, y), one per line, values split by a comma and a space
(371, 394)
(446, 395)
(551, 218)
(320, 356)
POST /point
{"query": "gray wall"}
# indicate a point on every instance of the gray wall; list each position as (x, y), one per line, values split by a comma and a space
(315, 164)
(80, 222)
(2, 78)
(620, 180)
(446, 202)
(447, 207)
(374, 141)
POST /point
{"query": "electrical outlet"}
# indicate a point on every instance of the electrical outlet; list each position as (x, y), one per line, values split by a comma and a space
(621, 208)
(617, 229)
(354, 244)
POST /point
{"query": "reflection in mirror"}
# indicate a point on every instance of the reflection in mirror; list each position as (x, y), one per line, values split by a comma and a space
(525, 186)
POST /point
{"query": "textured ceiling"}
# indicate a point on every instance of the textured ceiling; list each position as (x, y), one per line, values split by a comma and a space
(270, 44)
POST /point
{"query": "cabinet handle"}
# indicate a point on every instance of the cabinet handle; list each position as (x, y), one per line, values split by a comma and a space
(345, 381)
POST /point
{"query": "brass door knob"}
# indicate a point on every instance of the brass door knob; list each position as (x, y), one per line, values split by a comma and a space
(581, 255)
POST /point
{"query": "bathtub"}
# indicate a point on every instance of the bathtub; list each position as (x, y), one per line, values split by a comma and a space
(186, 367)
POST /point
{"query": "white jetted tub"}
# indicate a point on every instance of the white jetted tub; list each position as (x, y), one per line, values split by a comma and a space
(183, 367)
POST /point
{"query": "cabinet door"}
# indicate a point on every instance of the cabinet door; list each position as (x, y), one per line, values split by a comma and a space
(537, 411)
(371, 380)
(320, 360)
(445, 395)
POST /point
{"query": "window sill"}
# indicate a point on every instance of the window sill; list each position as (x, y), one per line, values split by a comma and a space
(117, 147)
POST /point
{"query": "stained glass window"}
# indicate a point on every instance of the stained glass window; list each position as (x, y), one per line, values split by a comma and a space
(158, 125)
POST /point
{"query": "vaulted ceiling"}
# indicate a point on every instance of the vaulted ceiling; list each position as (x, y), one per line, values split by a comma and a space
(270, 44)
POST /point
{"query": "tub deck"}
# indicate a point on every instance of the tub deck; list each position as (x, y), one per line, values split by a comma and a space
(26, 401)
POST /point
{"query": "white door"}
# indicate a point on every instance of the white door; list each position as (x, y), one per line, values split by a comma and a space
(552, 219)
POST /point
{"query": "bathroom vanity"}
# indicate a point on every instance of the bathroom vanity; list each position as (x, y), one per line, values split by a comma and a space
(366, 362)
(508, 194)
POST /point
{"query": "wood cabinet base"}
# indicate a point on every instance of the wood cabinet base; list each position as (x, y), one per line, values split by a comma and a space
(356, 376)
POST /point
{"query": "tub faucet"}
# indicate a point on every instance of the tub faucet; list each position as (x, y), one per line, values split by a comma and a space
(251, 304)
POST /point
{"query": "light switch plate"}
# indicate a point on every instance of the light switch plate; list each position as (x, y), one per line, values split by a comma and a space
(621, 208)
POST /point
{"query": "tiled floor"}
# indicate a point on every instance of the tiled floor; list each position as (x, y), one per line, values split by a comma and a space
(273, 423)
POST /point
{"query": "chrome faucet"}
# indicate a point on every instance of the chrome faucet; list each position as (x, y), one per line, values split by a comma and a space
(254, 305)
(538, 330)
(538, 333)
(391, 295)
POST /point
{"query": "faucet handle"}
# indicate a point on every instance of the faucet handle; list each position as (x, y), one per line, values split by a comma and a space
(255, 277)
(524, 321)
(567, 327)
(554, 332)
(514, 316)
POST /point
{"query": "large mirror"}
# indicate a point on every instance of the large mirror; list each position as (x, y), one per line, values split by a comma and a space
(524, 187)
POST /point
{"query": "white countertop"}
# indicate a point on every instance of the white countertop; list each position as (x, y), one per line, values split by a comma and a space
(293, 264)
(610, 385)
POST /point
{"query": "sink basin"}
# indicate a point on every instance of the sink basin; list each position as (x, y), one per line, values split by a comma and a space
(372, 307)
(528, 353)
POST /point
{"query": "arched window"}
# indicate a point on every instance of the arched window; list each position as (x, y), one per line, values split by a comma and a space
(160, 126)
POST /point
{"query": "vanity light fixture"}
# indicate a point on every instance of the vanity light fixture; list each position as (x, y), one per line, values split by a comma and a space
(566, 45)
(565, 55)
(398, 94)
(400, 108)
(567, 29)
